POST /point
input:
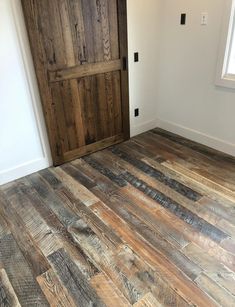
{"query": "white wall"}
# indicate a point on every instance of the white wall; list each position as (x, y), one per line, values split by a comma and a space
(23, 142)
(187, 100)
(144, 37)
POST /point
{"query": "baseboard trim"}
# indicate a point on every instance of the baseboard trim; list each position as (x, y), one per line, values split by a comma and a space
(197, 136)
(138, 129)
(23, 170)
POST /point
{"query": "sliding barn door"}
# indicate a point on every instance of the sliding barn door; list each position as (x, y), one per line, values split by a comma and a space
(79, 49)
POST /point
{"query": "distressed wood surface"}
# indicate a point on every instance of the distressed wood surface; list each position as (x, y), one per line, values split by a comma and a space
(149, 222)
(78, 48)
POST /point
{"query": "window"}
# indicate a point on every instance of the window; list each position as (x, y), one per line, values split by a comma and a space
(226, 65)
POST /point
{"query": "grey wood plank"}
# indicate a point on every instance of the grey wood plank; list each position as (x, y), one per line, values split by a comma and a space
(8, 297)
(184, 214)
(74, 280)
(19, 274)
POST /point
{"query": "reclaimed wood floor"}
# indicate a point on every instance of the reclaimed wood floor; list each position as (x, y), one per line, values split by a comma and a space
(149, 222)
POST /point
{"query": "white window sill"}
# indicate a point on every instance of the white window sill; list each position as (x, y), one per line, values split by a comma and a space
(227, 81)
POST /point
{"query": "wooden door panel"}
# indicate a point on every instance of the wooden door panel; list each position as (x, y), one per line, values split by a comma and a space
(90, 105)
(78, 48)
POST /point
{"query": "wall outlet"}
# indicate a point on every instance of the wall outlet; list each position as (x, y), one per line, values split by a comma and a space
(136, 57)
(183, 19)
(137, 113)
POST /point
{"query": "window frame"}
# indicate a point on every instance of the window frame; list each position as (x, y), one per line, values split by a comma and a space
(228, 28)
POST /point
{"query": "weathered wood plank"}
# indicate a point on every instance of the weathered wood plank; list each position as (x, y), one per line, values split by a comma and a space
(55, 292)
(148, 301)
(202, 180)
(219, 294)
(36, 260)
(103, 182)
(8, 297)
(213, 268)
(34, 224)
(3, 223)
(19, 274)
(75, 187)
(202, 164)
(105, 233)
(73, 279)
(65, 215)
(184, 214)
(129, 247)
(105, 171)
(85, 70)
(212, 153)
(158, 175)
(108, 292)
(105, 259)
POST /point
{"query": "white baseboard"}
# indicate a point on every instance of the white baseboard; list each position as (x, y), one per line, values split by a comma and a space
(23, 170)
(197, 136)
(135, 130)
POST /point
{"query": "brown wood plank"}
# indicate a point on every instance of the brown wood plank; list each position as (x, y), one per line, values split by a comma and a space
(148, 301)
(212, 153)
(85, 70)
(75, 187)
(55, 292)
(216, 187)
(213, 269)
(220, 295)
(76, 153)
(109, 294)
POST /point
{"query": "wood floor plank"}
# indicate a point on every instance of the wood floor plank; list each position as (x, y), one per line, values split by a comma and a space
(75, 282)
(55, 292)
(212, 153)
(32, 220)
(65, 215)
(220, 295)
(19, 274)
(8, 297)
(158, 175)
(148, 301)
(217, 188)
(36, 260)
(201, 163)
(214, 269)
(109, 294)
(75, 187)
